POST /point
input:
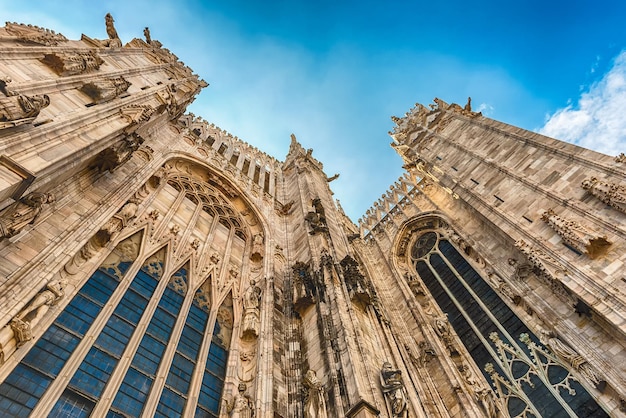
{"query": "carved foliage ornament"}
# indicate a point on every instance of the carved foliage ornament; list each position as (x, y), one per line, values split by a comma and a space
(612, 194)
(576, 235)
(34, 34)
(72, 63)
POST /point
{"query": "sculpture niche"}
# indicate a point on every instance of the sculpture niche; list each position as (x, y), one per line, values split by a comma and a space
(251, 315)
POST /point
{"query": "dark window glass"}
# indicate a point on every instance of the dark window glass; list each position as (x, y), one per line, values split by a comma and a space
(213, 380)
(23, 388)
(139, 378)
(454, 298)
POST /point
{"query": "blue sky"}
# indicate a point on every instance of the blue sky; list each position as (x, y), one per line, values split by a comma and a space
(333, 72)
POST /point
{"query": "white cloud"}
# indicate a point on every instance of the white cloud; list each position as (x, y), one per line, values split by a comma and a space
(597, 121)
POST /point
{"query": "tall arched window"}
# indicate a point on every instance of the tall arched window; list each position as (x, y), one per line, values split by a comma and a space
(526, 375)
(26, 384)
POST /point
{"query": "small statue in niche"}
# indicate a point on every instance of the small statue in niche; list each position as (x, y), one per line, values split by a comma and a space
(393, 388)
(442, 328)
(251, 315)
(242, 406)
(23, 212)
(314, 402)
(257, 248)
(29, 316)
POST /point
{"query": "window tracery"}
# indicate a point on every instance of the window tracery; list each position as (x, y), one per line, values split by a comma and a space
(526, 375)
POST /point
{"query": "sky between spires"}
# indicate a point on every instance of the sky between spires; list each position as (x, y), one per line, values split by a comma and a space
(333, 72)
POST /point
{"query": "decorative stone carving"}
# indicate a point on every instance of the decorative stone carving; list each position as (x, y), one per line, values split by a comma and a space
(242, 405)
(114, 225)
(317, 219)
(612, 194)
(248, 365)
(251, 314)
(28, 317)
(135, 114)
(570, 357)
(332, 178)
(117, 154)
(356, 283)
(394, 391)
(621, 158)
(146, 33)
(314, 402)
(114, 39)
(257, 248)
(576, 235)
(304, 286)
(284, 209)
(543, 263)
(23, 212)
(18, 109)
(34, 34)
(547, 269)
(426, 352)
(73, 63)
(486, 399)
(101, 91)
(443, 330)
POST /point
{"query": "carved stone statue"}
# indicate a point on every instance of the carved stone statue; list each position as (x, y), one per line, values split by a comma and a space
(576, 235)
(248, 365)
(442, 328)
(570, 357)
(114, 38)
(146, 33)
(17, 109)
(317, 219)
(251, 315)
(242, 406)
(257, 248)
(393, 388)
(33, 312)
(23, 212)
(102, 91)
(314, 402)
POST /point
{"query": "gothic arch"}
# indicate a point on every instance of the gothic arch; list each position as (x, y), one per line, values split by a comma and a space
(531, 374)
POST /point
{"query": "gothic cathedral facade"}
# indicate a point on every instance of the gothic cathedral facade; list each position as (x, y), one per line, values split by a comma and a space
(152, 264)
